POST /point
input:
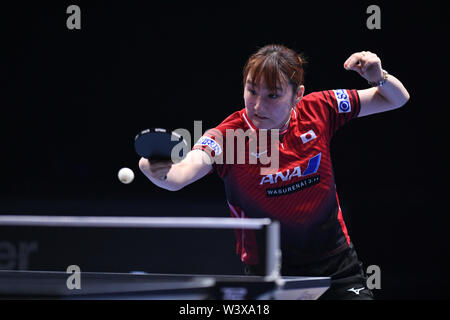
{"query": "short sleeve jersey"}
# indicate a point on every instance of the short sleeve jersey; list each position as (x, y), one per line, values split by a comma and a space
(300, 191)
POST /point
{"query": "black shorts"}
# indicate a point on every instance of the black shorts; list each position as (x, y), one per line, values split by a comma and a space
(348, 278)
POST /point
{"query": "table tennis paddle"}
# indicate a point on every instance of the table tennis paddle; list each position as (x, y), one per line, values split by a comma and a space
(158, 143)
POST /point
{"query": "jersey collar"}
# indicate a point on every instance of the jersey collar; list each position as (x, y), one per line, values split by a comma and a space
(248, 121)
(254, 128)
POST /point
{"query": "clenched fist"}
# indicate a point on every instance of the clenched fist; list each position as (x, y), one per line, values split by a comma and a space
(367, 64)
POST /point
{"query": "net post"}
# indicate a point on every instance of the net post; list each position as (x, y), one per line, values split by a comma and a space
(272, 250)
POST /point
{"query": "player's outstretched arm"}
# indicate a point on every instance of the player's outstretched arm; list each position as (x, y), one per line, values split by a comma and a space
(390, 95)
(174, 177)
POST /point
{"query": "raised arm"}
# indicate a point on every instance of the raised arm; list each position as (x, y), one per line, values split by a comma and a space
(174, 177)
(388, 96)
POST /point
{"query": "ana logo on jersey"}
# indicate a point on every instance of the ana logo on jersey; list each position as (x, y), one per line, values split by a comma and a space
(313, 166)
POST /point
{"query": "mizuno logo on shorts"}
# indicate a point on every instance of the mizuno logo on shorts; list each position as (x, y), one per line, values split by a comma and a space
(355, 291)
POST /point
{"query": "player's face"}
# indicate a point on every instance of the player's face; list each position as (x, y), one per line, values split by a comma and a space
(268, 109)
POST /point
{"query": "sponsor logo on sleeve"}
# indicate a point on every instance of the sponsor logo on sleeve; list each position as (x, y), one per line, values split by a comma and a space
(205, 141)
(343, 100)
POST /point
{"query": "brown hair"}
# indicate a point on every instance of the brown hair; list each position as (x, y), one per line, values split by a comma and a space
(276, 64)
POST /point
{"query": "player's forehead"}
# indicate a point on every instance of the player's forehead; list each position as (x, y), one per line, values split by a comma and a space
(263, 83)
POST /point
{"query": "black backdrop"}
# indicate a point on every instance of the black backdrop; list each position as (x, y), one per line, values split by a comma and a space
(72, 101)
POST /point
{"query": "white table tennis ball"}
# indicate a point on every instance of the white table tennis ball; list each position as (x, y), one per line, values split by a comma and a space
(126, 175)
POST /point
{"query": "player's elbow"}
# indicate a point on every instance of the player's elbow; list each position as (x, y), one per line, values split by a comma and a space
(397, 102)
(402, 99)
(405, 98)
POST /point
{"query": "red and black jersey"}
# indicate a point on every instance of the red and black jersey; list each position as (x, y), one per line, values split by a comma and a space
(300, 191)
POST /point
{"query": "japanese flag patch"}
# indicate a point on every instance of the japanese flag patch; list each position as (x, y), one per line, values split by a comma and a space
(308, 136)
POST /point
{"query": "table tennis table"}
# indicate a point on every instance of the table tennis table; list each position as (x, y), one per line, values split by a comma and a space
(97, 285)
(16, 284)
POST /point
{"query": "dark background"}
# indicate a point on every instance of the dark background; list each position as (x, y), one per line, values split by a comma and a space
(73, 100)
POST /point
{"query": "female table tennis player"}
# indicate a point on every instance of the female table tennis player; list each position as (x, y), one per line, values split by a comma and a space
(301, 194)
